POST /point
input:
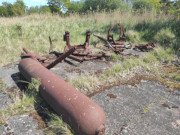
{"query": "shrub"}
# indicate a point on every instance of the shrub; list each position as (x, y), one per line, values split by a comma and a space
(165, 38)
(141, 6)
(133, 36)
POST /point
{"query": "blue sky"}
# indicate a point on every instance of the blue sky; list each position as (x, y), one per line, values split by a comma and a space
(30, 2)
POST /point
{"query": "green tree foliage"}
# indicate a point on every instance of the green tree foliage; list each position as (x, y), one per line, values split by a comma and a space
(19, 8)
(20, 4)
(167, 5)
(37, 9)
(175, 9)
(9, 8)
(148, 5)
(16, 9)
(76, 7)
(156, 4)
(99, 5)
(3, 11)
(141, 6)
(33, 10)
(58, 6)
(44, 9)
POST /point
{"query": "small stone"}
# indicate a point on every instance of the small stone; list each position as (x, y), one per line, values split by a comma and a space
(85, 89)
(124, 131)
(178, 122)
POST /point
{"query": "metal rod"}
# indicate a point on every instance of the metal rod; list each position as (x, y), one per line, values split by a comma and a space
(61, 58)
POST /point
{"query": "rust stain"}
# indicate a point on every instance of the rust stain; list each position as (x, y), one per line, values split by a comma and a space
(111, 95)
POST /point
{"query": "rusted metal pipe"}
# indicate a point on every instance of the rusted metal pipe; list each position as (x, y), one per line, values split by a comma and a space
(51, 45)
(83, 114)
(32, 55)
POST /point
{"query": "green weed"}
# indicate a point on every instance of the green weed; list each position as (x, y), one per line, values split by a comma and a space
(133, 36)
(165, 38)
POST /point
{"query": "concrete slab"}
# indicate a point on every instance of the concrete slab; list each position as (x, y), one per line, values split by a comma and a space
(148, 109)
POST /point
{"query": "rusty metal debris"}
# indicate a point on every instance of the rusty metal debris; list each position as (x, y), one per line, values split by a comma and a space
(79, 111)
(122, 38)
(44, 61)
(82, 52)
(33, 56)
(119, 45)
(144, 47)
(61, 58)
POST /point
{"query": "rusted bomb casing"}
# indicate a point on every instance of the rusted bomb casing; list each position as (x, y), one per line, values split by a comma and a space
(83, 114)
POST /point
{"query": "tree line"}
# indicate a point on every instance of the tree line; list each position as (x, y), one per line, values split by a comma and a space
(85, 6)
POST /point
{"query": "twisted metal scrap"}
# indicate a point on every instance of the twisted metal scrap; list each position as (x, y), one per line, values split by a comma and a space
(145, 47)
(33, 56)
(118, 46)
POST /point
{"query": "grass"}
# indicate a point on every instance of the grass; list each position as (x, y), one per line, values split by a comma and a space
(22, 104)
(2, 85)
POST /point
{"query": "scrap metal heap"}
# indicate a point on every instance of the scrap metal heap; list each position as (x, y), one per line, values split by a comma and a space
(144, 47)
(119, 45)
(82, 52)
(78, 52)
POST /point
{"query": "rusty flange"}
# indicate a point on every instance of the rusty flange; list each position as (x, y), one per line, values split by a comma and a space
(83, 114)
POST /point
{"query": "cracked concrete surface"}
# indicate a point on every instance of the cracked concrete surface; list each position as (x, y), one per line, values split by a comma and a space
(147, 109)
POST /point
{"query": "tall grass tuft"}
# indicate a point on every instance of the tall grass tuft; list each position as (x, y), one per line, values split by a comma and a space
(165, 38)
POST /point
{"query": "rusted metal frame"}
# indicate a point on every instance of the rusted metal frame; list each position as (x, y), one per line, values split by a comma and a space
(79, 48)
(121, 36)
(117, 46)
(80, 112)
(82, 52)
(76, 58)
(87, 57)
